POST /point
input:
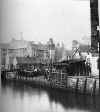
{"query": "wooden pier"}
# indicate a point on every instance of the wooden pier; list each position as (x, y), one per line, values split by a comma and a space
(77, 84)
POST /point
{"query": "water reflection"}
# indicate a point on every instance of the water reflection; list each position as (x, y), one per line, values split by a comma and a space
(17, 97)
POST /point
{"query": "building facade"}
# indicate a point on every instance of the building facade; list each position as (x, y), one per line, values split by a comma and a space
(21, 48)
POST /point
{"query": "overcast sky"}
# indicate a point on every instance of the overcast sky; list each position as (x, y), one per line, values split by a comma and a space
(99, 10)
(39, 20)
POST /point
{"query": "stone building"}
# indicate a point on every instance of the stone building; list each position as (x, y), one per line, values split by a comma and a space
(40, 51)
(22, 48)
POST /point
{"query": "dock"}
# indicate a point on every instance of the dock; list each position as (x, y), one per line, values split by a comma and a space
(76, 84)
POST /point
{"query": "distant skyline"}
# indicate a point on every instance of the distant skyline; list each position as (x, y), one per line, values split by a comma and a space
(39, 20)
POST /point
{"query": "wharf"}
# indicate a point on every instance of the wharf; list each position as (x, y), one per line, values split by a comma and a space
(77, 84)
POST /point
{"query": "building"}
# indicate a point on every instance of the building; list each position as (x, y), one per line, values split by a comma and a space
(40, 51)
(58, 52)
(18, 48)
(51, 50)
(3, 52)
(43, 53)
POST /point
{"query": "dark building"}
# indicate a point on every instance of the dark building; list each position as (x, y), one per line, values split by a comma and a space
(94, 24)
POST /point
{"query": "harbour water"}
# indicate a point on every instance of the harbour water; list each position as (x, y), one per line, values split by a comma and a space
(17, 97)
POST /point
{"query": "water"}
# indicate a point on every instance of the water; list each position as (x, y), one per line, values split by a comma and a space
(16, 97)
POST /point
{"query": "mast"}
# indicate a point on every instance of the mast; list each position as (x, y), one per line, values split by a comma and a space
(95, 33)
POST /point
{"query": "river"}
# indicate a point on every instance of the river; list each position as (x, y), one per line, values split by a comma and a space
(18, 97)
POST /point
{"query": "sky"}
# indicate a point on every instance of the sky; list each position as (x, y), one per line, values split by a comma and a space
(39, 20)
(99, 10)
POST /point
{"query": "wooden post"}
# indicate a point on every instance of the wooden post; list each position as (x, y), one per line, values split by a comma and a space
(85, 84)
(94, 87)
(77, 85)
